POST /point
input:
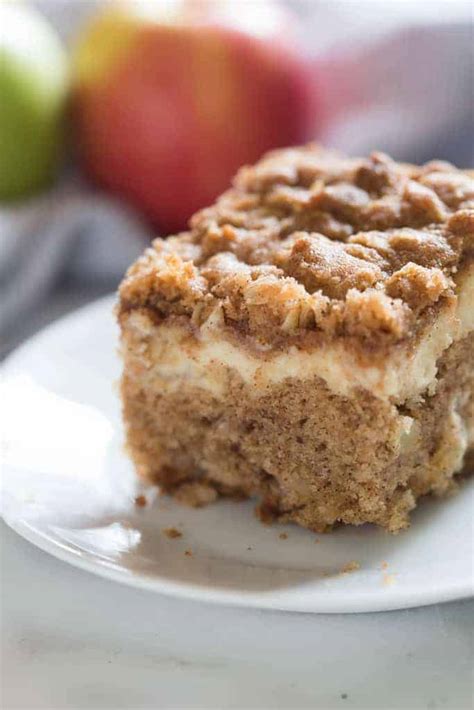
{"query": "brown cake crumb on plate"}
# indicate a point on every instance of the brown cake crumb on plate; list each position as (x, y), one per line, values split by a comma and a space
(172, 533)
(352, 566)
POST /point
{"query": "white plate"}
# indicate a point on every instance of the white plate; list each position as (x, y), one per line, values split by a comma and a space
(70, 490)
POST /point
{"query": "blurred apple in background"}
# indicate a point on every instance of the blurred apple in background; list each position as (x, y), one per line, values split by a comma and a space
(171, 97)
(33, 91)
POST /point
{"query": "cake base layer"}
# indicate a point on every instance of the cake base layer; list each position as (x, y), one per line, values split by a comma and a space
(309, 455)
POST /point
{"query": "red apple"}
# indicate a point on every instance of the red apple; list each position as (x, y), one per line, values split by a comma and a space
(171, 101)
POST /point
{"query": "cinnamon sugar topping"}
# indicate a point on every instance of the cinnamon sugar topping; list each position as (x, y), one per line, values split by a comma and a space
(308, 240)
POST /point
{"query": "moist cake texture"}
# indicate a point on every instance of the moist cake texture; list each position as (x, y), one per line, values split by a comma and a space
(309, 341)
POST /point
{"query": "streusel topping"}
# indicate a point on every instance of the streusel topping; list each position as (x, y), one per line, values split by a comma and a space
(308, 240)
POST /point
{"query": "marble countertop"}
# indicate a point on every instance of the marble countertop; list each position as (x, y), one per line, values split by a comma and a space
(72, 640)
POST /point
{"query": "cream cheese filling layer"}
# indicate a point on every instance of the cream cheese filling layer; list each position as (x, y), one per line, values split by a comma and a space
(210, 360)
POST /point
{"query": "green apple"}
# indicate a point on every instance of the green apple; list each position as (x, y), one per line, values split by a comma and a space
(33, 92)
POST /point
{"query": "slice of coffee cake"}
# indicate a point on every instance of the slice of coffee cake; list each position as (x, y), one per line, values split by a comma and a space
(309, 341)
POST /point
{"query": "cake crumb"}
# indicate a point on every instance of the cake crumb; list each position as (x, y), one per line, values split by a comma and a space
(188, 553)
(350, 567)
(265, 514)
(384, 565)
(196, 494)
(140, 501)
(172, 533)
(388, 579)
(283, 536)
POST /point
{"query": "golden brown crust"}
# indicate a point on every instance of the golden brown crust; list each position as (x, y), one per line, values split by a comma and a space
(311, 241)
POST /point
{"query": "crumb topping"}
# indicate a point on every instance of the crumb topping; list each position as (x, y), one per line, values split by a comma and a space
(309, 240)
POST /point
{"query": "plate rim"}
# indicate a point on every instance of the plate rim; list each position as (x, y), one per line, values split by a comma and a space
(392, 599)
